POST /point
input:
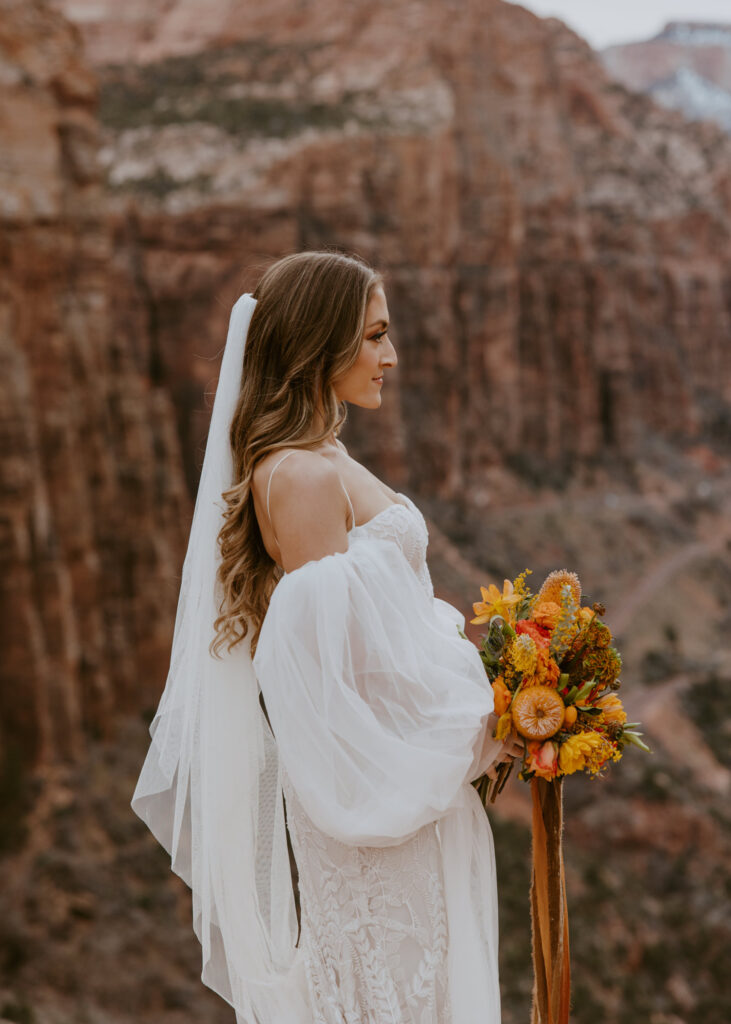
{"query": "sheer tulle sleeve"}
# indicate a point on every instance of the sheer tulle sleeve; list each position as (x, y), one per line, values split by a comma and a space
(375, 700)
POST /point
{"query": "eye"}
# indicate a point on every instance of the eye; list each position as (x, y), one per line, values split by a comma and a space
(381, 334)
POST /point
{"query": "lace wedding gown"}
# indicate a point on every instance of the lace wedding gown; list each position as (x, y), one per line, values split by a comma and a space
(376, 703)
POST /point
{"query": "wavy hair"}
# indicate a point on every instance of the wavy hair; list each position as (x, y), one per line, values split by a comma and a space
(306, 330)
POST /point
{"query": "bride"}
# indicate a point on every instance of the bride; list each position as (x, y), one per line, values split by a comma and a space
(319, 691)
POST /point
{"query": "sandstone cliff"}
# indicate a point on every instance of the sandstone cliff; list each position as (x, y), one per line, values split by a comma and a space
(94, 508)
(555, 245)
(556, 249)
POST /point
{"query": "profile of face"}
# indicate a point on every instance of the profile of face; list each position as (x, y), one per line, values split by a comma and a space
(362, 384)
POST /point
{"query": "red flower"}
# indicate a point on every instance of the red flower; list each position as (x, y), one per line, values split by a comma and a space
(540, 634)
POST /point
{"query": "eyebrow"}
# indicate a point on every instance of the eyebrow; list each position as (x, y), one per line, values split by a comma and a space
(377, 322)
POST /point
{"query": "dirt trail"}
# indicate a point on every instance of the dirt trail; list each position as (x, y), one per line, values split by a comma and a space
(665, 721)
(653, 581)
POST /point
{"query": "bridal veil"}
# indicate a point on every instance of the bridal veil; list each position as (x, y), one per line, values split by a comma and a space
(210, 787)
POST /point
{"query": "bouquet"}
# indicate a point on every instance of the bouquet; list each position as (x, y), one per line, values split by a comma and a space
(555, 676)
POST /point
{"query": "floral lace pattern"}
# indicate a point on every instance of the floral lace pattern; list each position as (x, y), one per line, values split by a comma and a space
(374, 926)
(374, 922)
(409, 531)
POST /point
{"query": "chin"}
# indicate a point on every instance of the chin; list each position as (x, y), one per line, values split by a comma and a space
(366, 403)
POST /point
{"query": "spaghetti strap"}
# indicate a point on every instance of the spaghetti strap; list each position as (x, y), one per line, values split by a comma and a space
(352, 513)
(269, 485)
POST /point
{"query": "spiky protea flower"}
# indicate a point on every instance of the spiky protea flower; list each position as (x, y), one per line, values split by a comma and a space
(551, 589)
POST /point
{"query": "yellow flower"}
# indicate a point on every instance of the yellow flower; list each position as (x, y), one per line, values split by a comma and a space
(504, 726)
(586, 614)
(523, 654)
(585, 750)
(495, 603)
(520, 587)
(612, 709)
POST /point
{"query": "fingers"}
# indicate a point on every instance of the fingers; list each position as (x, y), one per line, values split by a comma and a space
(512, 748)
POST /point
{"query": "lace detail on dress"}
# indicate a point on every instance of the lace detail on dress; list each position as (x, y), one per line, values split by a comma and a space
(404, 524)
(374, 922)
(374, 926)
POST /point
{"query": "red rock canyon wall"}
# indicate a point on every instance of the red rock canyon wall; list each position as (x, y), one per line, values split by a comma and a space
(94, 507)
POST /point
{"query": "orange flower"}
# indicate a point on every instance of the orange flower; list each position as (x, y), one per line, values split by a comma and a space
(612, 710)
(551, 672)
(502, 696)
(495, 603)
(547, 672)
(543, 759)
(546, 614)
(538, 712)
(551, 589)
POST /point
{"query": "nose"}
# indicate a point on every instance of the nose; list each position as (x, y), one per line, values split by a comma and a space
(391, 359)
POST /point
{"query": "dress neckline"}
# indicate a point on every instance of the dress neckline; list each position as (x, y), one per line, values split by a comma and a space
(394, 504)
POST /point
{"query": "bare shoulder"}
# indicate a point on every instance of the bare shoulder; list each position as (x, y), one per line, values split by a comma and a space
(296, 462)
(307, 506)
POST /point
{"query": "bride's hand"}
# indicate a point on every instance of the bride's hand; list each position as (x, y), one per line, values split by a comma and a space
(512, 748)
(494, 754)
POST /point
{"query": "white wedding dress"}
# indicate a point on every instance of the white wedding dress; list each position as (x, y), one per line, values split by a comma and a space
(376, 703)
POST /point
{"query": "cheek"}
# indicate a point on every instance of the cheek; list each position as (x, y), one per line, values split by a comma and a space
(365, 363)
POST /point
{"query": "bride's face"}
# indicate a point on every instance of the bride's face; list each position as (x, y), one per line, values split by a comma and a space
(362, 384)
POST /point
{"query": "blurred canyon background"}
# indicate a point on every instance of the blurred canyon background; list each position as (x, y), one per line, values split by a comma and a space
(554, 225)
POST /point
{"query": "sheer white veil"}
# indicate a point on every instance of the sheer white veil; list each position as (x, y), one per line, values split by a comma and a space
(210, 787)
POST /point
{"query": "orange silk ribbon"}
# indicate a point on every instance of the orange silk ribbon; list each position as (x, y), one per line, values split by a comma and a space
(549, 914)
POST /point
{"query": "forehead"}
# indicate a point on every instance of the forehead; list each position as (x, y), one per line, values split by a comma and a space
(377, 307)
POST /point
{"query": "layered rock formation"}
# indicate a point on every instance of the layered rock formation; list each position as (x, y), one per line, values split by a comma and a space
(553, 243)
(556, 253)
(685, 67)
(94, 508)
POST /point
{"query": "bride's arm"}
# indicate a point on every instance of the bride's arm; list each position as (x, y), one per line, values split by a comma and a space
(375, 700)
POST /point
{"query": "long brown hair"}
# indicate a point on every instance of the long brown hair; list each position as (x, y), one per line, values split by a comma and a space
(306, 330)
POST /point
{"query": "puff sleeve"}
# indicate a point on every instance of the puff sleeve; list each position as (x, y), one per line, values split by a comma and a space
(375, 700)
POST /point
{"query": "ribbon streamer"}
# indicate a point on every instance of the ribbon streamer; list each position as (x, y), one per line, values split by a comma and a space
(549, 913)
